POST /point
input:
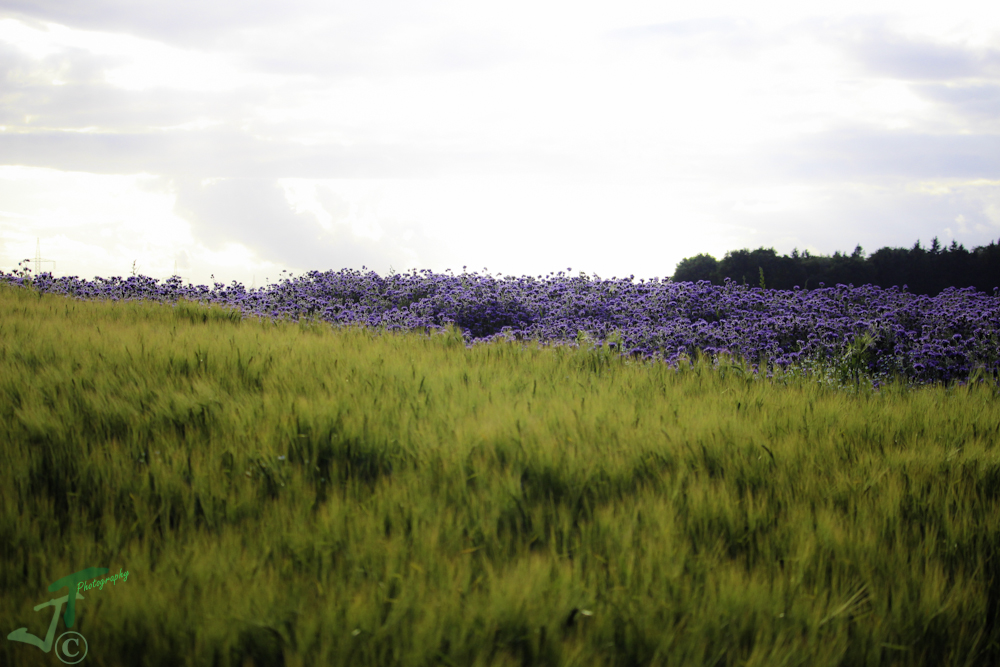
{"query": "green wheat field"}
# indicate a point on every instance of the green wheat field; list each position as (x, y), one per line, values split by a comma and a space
(293, 494)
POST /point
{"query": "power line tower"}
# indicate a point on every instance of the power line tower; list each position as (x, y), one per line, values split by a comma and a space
(39, 260)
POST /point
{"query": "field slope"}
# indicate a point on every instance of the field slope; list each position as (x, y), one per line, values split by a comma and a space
(295, 494)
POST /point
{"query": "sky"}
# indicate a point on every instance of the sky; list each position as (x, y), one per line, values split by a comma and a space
(245, 140)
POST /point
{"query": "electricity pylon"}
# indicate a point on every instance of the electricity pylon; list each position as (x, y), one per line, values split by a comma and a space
(38, 257)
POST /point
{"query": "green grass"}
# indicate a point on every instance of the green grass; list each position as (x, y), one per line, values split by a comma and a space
(290, 494)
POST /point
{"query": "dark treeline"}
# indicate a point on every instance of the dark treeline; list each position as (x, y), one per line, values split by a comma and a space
(923, 271)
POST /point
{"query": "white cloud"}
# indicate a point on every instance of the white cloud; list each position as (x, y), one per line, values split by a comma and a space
(522, 137)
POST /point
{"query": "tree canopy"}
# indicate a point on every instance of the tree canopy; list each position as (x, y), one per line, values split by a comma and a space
(919, 270)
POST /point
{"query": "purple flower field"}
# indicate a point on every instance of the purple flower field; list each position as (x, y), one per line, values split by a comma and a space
(863, 332)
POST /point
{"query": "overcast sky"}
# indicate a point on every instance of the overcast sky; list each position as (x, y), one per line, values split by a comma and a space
(243, 138)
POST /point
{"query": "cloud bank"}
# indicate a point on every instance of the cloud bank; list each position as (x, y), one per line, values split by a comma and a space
(238, 140)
